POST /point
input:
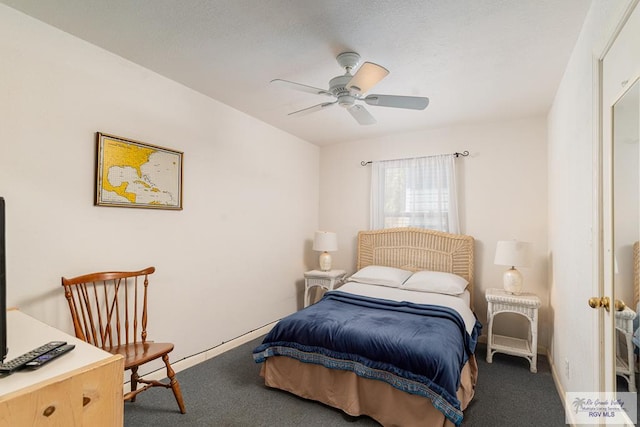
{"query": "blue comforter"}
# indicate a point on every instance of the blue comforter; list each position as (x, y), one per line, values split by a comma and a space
(424, 346)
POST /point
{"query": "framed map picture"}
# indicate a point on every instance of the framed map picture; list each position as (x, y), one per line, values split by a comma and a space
(133, 174)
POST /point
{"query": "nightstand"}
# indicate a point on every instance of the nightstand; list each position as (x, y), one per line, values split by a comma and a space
(524, 304)
(324, 279)
(625, 365)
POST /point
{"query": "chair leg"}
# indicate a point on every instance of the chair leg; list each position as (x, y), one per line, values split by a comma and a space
(134, 381)
(173, 382)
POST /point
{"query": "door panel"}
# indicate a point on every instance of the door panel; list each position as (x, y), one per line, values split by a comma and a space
(620, 194)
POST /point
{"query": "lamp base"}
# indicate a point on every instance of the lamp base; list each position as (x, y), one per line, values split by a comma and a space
(325, 261)
(512, 280)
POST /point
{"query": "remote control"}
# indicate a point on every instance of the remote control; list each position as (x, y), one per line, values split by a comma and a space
(20, 361)
(47, 357)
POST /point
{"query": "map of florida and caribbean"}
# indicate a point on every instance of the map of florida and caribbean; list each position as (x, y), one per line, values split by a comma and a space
(136, 174)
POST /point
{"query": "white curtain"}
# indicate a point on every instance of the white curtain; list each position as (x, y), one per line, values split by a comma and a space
(418, 192)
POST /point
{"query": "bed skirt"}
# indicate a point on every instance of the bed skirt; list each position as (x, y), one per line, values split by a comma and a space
(362, 396)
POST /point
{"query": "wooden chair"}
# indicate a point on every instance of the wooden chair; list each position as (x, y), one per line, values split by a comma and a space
(109, 310)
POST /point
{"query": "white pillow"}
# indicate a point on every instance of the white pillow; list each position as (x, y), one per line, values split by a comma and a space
(437, 282)
(381, 275)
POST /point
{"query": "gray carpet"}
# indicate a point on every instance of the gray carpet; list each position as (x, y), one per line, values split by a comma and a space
(227, 391)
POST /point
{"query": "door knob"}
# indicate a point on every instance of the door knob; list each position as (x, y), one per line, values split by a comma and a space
(597, 302)
(619, 305)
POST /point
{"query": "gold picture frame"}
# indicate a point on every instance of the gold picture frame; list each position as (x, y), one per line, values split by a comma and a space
(135, 174)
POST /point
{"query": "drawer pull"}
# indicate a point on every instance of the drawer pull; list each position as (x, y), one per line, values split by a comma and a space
(85, 400)
(49, 410)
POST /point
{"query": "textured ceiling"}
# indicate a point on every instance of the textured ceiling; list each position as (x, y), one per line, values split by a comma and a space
(477, 60)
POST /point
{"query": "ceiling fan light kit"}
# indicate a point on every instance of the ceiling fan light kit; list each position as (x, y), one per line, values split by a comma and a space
(368, 75)
(348, 88)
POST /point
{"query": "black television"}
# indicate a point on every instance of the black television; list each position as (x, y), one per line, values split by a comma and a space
(3, 285)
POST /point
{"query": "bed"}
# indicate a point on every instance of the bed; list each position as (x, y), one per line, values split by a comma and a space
(387, 349)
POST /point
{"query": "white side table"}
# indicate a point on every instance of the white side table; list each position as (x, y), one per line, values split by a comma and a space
(525, 304)
(324, 279)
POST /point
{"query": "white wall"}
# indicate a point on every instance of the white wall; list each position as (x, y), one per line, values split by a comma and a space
(572, 204)
(230, 262)
(502, 193)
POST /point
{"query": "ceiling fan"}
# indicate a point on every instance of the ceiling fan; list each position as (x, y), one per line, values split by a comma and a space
(349, 89)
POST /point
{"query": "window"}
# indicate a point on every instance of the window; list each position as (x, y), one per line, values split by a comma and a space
(419, 192)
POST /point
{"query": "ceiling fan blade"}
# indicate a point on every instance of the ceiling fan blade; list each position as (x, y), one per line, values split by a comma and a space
(411, 102)
(312, 109)
(367, 76)
(361, 115)
(300, 87)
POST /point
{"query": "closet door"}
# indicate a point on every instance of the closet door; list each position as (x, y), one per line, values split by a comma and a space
(620, 209)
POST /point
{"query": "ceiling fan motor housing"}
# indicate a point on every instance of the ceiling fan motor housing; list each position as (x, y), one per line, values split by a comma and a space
(337, 86)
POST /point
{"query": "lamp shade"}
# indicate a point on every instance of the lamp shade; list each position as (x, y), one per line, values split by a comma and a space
(325, 241)
(513, 253)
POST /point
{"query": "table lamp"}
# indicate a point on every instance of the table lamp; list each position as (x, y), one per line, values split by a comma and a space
(514, 254)
(325, 242)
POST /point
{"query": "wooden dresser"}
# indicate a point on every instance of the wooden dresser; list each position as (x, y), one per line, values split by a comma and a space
(80, 388)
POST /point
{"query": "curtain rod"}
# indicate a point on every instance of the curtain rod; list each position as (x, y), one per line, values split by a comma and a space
(465, 153)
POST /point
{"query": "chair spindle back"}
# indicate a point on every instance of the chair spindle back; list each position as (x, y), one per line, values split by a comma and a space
(109, 309)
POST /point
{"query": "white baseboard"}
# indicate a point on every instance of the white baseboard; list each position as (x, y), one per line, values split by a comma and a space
(195, 359)
(559, 388)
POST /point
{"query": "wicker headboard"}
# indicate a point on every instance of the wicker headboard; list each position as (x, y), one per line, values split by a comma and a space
(418, 249)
